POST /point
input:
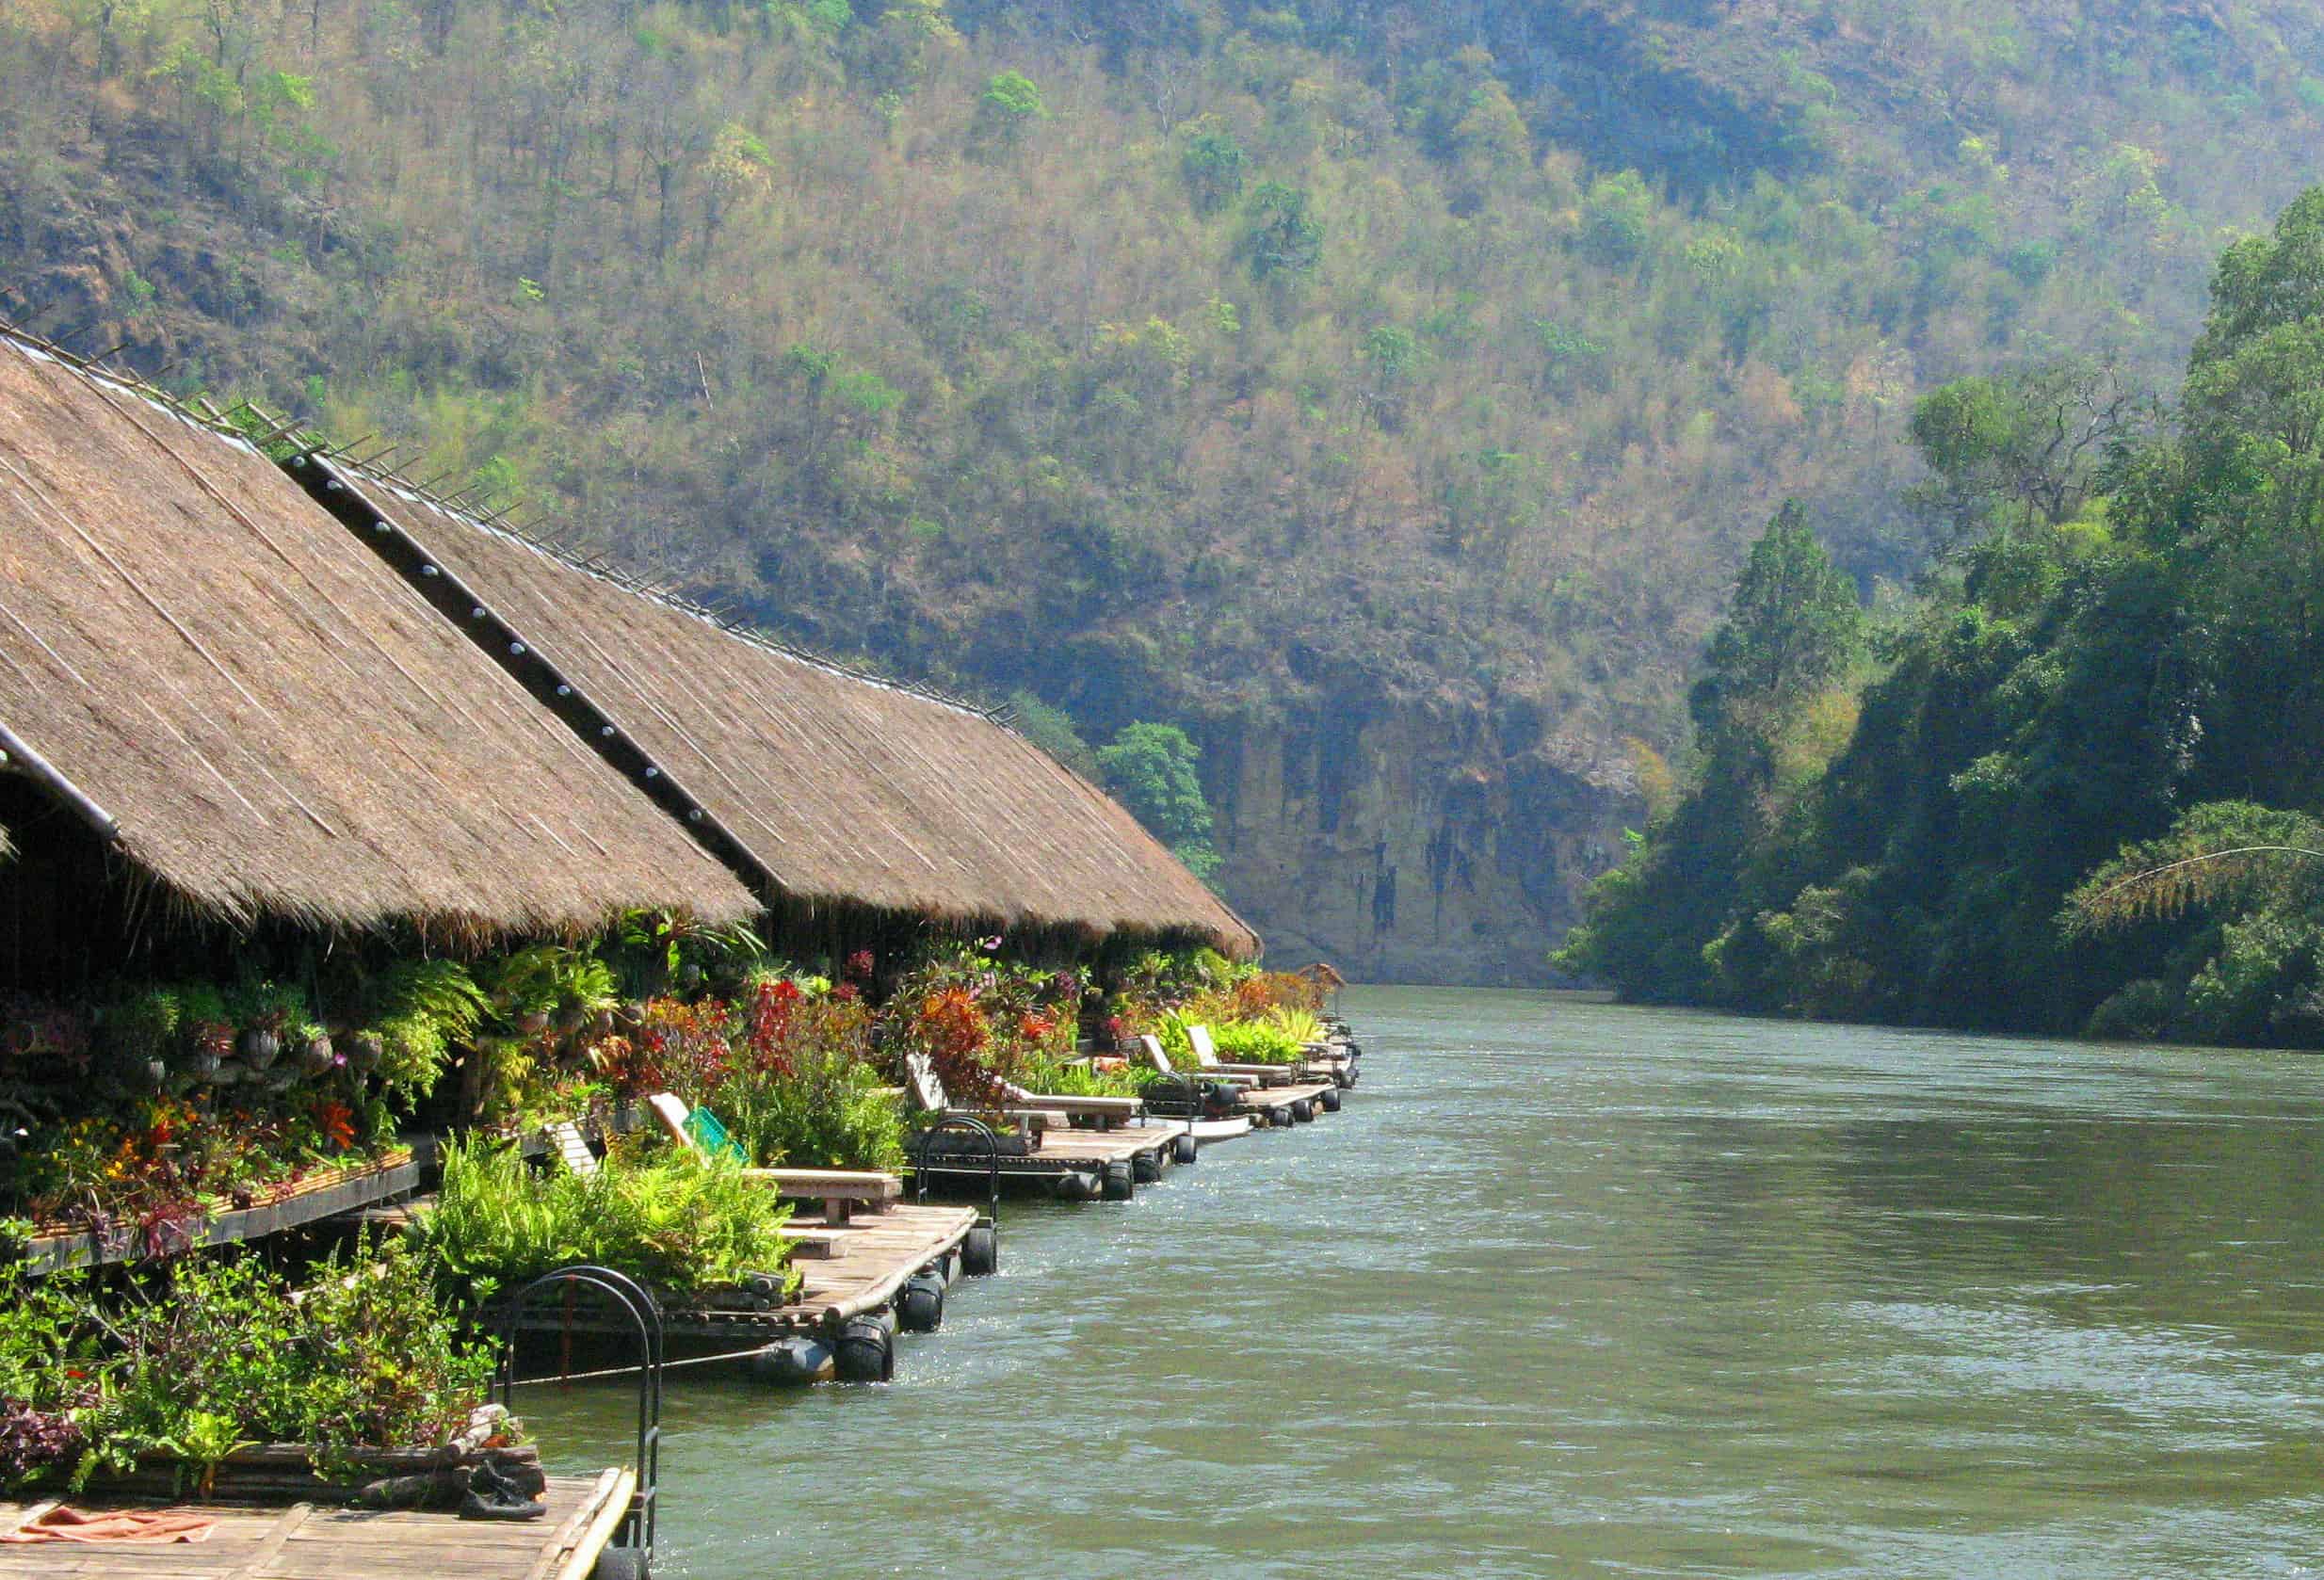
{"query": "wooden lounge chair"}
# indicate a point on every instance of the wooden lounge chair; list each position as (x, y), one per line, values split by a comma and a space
(1254, 1096)
(928, 1089)
(1315, 1068)
(1107, 1111)
(839, 1191)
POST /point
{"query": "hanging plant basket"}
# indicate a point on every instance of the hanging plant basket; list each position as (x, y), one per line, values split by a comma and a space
(259, 1047)
(317, 1055)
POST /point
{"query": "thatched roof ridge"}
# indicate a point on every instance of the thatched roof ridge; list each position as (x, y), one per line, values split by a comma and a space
(845, 788)
(277, 725)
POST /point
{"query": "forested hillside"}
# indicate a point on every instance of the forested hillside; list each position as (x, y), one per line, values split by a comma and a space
(1384, 394)
(2083, 792)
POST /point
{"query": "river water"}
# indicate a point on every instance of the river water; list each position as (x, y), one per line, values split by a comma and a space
(1574, 1289)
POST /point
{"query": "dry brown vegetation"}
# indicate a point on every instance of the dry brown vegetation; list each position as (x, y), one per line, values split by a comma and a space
(816, 306)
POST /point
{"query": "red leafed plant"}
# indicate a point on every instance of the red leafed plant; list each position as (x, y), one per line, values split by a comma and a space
(766, 1039)
(680, 1047)
(948, 1028)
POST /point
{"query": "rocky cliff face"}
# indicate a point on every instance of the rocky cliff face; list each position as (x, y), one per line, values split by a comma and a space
(1411, 845)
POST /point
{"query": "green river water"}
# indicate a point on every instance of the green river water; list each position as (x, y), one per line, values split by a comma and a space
(1573, 1289)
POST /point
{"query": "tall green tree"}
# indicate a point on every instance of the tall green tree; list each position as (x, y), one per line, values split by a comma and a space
(2008, 451)
(1152, 767)
(1793, 628)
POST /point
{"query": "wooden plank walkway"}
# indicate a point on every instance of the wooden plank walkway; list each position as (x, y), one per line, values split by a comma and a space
(862, 1267)
(308, 1542)
(1097, 1148)
(1062, 1151)
(871, 1259)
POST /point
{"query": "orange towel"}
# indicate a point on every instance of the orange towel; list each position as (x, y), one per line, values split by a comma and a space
(118, 1524)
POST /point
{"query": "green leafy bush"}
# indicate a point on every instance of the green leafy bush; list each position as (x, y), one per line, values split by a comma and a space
(673, 1221)
(215, 1354)
(1056, 1077)
(420, 1009)
(827, 1111)
(1256, 1043)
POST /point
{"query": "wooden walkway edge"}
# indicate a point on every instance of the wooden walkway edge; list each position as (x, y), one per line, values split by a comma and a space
(309, 1542)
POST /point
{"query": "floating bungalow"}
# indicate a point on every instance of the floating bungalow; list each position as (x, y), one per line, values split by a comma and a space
(221, 717)
(244, 718)
(258, 702)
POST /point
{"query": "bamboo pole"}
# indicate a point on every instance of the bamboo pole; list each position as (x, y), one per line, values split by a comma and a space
(39, 769)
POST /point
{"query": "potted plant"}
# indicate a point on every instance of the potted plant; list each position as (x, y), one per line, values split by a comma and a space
(317, 1053)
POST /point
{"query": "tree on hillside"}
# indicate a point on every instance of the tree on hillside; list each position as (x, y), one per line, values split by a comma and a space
(1051, 729)
(1151, 768)
(1213, 164)
(1010, 106)
(1282, 241)
(2010, 450)
(1792, 629)
(2236, 503)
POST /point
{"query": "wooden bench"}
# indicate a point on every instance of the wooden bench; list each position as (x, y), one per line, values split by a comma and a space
(1107, 1111)
(839, 1191)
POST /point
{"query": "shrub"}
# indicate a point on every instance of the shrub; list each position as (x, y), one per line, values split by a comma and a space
(1256, 1043)
(674, 1221)
(804, 1091)
(419, 1011)
(828, 1111)
(214, 1354)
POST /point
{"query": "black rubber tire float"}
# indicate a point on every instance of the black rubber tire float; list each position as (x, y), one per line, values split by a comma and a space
(794, 1363)
(620, 1563)
(866, 1351)
(920, 1305)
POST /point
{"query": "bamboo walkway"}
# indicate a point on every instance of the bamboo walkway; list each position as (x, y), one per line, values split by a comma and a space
(309, 1542)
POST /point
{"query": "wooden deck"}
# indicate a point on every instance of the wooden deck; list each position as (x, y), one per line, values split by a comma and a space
(1275, 1101)
(1062, 1150)
(870, 1260)
(861, 1270)
(1094, 1149)
(309, 1542)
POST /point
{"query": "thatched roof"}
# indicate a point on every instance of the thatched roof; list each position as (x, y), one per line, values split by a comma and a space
(845, 790)
(276, 723)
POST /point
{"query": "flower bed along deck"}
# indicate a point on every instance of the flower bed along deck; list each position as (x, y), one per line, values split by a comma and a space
(316, 1195)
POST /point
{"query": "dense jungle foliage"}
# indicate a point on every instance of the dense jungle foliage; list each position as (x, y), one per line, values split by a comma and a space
(1166, 360)
(2078, 786)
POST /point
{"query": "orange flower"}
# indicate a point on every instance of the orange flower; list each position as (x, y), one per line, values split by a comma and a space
(337, 1123)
